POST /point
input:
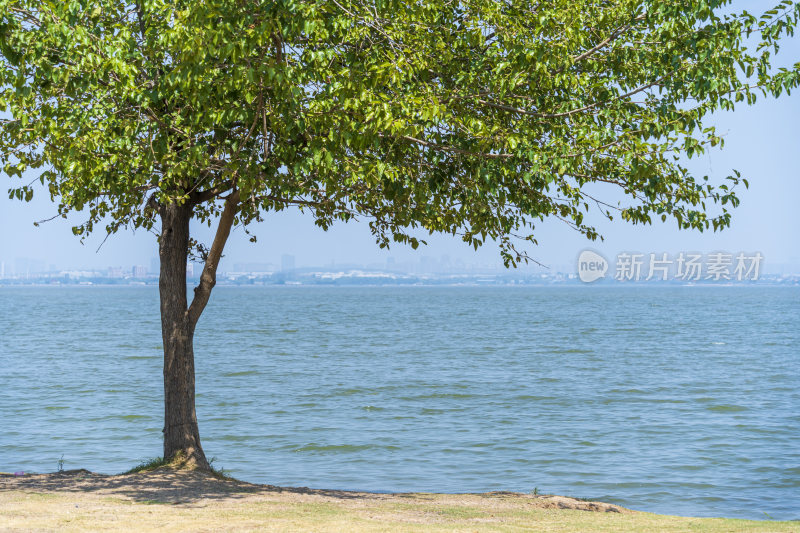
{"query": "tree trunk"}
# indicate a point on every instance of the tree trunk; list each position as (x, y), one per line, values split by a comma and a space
(181, 436)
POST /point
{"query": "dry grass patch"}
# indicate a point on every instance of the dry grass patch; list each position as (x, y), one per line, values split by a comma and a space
(165, 499)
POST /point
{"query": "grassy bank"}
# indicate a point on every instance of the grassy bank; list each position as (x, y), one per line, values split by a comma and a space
(167, 500)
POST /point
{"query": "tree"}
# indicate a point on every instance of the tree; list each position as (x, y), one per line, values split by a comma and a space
(475, 118)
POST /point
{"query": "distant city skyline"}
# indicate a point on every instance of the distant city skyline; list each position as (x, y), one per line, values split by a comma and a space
(425, 264)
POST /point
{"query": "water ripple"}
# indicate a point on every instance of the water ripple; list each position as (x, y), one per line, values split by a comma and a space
(668, 399)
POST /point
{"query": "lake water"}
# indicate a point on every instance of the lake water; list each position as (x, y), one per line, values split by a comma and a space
(677, 400)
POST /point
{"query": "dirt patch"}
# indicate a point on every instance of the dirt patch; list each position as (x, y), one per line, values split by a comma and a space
(169, 486)
(563, 502)
(167, 500)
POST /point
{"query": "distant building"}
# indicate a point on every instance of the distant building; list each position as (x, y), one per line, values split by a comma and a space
(115, 272)
(2, 269)
(254, 268)
(189, 270)
(287, 263)
(25, 267)
(427, 264)
(139, 271)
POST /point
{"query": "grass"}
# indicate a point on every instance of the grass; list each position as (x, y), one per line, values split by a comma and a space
(148, 502)
(148, 465)
(218, 473)
(431, 514)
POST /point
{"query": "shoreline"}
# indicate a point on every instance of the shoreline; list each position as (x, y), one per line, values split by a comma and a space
(165, 499)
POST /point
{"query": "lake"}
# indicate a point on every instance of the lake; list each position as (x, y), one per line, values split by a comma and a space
(675, 400)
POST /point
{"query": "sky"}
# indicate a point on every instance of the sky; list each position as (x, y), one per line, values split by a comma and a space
(761, 141)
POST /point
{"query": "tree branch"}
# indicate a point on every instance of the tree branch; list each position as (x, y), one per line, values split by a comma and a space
(613, 37)
(198, 197)
(581, 109)
(209, 276)
(140, 19)
(451, 149)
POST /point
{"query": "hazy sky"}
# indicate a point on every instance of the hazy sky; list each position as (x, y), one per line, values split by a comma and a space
(762, 141)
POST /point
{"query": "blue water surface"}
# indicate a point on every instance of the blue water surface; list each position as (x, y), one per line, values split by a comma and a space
(676, 400)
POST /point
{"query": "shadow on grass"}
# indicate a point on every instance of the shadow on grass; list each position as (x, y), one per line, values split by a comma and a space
(167, 485)
(160, 485)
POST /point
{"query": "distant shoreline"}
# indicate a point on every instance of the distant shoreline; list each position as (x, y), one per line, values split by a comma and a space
(608, 284)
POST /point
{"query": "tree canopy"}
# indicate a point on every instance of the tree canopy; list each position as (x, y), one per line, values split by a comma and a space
(477, 118)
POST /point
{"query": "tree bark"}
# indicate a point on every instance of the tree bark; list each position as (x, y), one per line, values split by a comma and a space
(181, 435)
